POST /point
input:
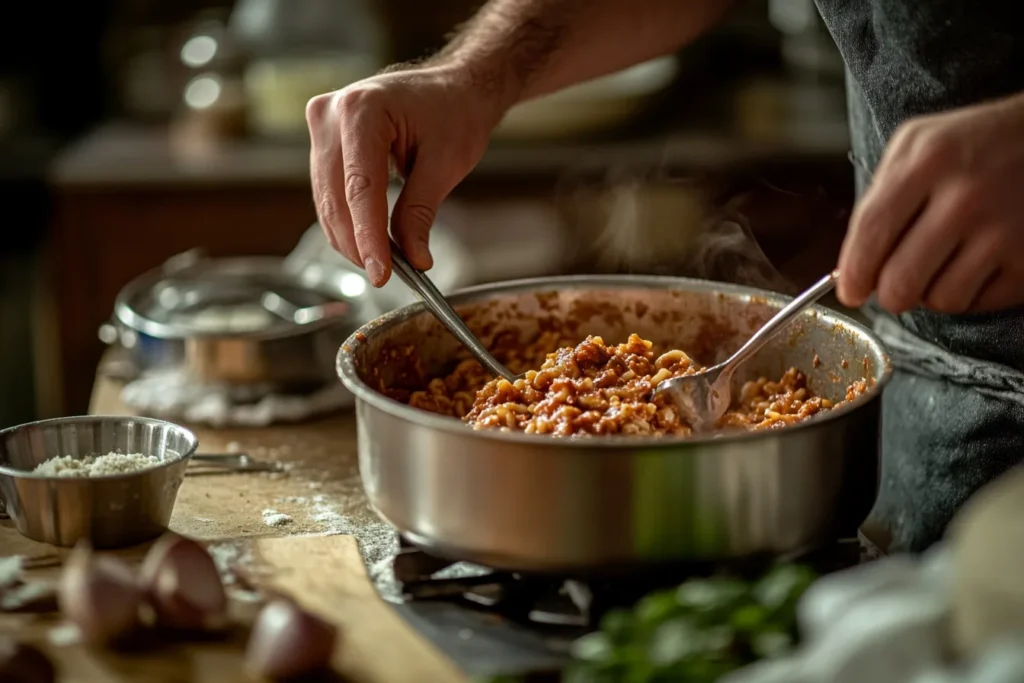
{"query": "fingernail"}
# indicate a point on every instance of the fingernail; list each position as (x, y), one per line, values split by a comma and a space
(375, 271)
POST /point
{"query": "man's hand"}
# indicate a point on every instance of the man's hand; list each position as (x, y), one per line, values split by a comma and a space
(942, 225)
(435, 119)
(433, 122)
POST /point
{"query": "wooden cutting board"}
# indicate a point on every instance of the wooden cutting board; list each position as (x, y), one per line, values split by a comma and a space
(325, 574)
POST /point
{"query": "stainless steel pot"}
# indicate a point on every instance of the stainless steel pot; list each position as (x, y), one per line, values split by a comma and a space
(540, 503)
(156, 318)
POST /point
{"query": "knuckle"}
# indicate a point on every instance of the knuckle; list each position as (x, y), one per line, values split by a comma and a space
(355, 99)
(363, 233)
(965, 203)
(316, 108)
(357, 184)
(891, 301)
(906, 135)
(896, 293)
(327, 210)
(935, 148)
(919, 144)
(868, 220)
(420, 215)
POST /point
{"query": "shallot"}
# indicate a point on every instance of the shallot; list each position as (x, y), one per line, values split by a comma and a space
(183, 585)
(287, 642)
(99, 595)
(21, 663)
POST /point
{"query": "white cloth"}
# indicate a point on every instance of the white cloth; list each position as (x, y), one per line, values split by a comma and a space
(170, 396)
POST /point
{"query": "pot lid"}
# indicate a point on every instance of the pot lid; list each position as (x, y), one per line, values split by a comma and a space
(252, 296)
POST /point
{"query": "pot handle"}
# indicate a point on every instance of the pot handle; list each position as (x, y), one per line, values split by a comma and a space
(184, 260)
(289, 312)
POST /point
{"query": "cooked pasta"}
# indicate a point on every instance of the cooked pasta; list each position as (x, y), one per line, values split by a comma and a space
(595, 389)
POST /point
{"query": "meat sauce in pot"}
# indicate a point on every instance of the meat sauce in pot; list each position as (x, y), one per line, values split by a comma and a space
(592, 388)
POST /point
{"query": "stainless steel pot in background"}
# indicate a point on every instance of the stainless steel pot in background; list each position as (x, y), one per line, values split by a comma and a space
(540, 503)
(207, 319)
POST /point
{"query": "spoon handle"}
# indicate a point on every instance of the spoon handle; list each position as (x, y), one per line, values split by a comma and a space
(439, 306)
(780, 320)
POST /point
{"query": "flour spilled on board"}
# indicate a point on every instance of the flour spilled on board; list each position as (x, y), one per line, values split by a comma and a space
(10, 571)
(233, 559)
(378, 541)
(275, 518)
(327, 515)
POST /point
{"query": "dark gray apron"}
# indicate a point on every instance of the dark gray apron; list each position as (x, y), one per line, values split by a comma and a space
(953, 416)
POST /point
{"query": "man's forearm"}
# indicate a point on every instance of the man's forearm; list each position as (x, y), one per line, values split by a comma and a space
(528, 48)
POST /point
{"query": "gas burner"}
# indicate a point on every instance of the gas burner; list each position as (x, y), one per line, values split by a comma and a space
(577, 603)
(541, 600)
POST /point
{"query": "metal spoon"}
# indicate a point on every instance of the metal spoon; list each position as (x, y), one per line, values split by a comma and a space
(286, 310)
(705, 396)
(419, 283)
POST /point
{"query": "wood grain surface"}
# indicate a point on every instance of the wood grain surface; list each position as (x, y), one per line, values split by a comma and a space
(324, 574)
(306, 558)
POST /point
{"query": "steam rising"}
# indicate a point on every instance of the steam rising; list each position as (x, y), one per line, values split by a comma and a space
(658, 226)
(728, 252)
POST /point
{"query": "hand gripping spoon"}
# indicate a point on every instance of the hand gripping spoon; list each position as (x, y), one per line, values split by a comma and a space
(419, 283)
(704, 397)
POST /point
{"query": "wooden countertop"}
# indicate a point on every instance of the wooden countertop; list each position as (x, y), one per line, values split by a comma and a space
(322, 464)
(309, 557)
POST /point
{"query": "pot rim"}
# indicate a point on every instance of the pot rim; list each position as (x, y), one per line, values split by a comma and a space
(126, 316)
(345, 361)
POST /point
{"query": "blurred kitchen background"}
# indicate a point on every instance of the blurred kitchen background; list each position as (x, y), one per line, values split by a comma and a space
(133, 130)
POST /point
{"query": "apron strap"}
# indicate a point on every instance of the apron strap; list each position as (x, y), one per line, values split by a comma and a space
(913, 354)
